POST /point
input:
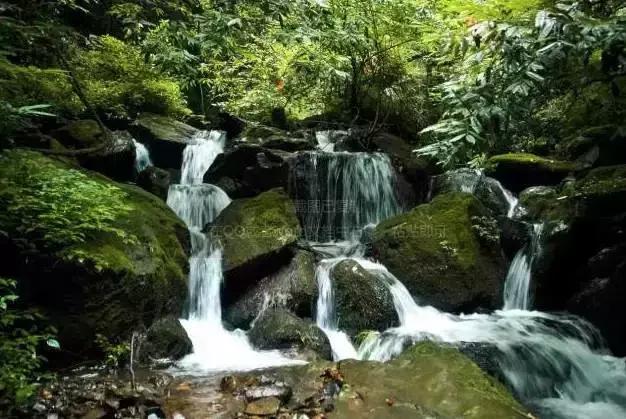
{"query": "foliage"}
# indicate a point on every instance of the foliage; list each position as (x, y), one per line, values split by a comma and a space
(514, 74)
(116, 80)
(20, 339)
(115, 354)
(57, 207)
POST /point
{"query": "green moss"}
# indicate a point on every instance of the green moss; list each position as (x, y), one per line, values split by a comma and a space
(438, 251)
(526, 159)
(250, 228)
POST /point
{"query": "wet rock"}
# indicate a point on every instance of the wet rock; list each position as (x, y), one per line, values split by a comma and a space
(485, 355)
(248, 170)
(97, 285)
(287, 143)
(263, 407)
(446, 253)
(279, 391)
(596, 146)
(280, 329)
(536, 201)
(255, 235)
(156, 181)
(292, 287)
(362, 300)
(166, 138)
(518, 171)
(166, 338)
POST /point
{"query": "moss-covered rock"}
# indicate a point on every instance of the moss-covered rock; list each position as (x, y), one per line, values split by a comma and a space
(247, 170)
(446, 253)
(255, 234)
(518, 171)
(280, 329)
(426, 381)
(166, 138)
(596, 146)
(97, 256)
(292, 287)
(362, 301)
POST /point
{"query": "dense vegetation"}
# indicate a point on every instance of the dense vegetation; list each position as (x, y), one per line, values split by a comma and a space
(461, 81)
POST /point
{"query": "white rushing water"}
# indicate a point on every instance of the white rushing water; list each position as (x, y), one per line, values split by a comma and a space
(142, 157)
(518, 279)
(197, 204)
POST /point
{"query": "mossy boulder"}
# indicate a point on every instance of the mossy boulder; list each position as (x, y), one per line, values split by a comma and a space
(116, 160)
(165, 137)
(247, 170)
(292, 287)
(518, 171)
(596, 146)
(166, 338)
(97, 256)
(426, 381)
(255, 234)
(362, 300)
(447, 253)
(280, 329)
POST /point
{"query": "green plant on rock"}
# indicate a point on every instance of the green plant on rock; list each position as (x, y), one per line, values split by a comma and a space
(115, 354)
(54, 207)
(20, 341)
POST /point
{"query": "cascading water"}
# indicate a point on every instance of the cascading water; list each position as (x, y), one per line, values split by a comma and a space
(517, 284)
(142, 157)
(340, 193)
(197, 204)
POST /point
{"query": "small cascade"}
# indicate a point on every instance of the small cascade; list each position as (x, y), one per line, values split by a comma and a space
(197, 204)
(337, 194)
(326, 319)
(142, 157)
(324, 142)
(518, 278)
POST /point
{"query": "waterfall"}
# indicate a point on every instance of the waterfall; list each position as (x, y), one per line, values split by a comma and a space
(197, 204)
(142, 157)
(517, 283)
(337, 194)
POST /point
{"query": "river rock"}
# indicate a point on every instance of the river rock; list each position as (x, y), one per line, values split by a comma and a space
(518, 171)
(247, 170)
(166, 138)
(292, 287)
(255, 234)
(97, 257)
(156, 181)
(166, 338)
(447, 253)
(280, 329)
(362, 300)
(267, 406)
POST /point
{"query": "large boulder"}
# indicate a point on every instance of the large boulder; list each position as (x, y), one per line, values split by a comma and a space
(596, 146)
(97, 257)
(280, 329)
(255, 234)
(362, 300)
(166, 138)
(166, 338)
(247, 170)
(156, 181)
(518, 171)
(116, 160)
(447, 253)
(426, 381)
(292, 287)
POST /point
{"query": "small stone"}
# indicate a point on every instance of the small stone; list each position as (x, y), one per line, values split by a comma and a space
(281, 392)
(183, 387)
(263, 407)
(39, 407)
(228, 384)
(112, 403)
(96, 414)
(390, 402)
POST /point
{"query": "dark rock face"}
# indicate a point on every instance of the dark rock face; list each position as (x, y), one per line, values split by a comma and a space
(596, 146)
(248, 170)
(166, 338)
(485, 355)
(362, 301)
(280, 329)
(165, 137)
(256, 234)
(115, 161)
(514, 235)
(447, 253)
(580, 266)
(156, 181)
(518, 171)
(292, 287)
(102, 284)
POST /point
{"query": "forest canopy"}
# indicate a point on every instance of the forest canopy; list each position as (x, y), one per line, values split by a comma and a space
(460, 80)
